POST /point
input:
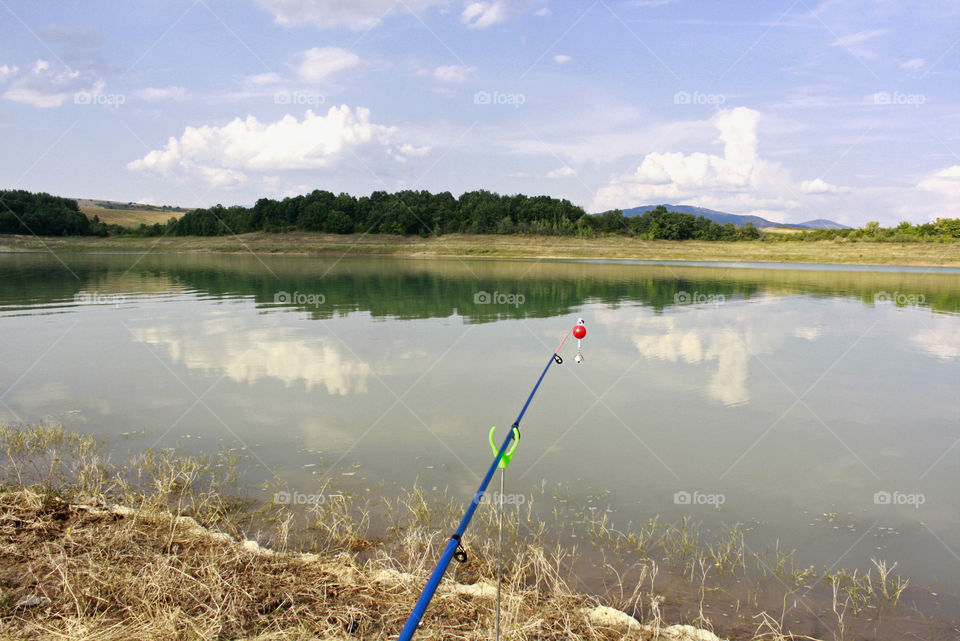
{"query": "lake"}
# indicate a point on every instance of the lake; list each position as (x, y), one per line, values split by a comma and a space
(817, 405)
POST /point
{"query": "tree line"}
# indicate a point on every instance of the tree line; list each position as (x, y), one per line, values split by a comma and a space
(23, 212)
(423, 213)
(428, 214)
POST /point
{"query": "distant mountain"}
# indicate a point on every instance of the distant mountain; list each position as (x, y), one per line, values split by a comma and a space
(723, 218)
(821, 223)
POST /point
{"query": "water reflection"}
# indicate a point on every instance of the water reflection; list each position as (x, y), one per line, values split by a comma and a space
(225, 344)
(709, 389)
(942, 340)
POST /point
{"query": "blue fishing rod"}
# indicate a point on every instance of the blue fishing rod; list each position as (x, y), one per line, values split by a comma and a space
(454, 549)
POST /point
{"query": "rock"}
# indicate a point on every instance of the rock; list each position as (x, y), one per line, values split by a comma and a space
(389, 575)
(481, 589)
(32, 600)
(688, 633)
(123, 510)
(610, 617)
(252, 546)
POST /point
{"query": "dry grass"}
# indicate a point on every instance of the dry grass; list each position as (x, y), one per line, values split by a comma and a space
(515, 246)
(132, 218)
(156, 548)
(97, 570)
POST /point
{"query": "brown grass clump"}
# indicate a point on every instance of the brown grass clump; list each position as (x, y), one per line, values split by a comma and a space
(90, 551)
(119, 573)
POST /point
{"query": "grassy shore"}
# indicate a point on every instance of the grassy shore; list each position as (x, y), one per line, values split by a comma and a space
(513, 246)
(166, 546)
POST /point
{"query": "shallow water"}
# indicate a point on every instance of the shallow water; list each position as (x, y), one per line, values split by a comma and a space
(817, 406)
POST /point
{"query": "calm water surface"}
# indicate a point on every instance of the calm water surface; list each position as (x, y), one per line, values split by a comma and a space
(785, 394)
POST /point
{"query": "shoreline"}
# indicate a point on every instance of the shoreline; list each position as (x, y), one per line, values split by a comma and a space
(867, 254)
(169, 545)
(178, 542)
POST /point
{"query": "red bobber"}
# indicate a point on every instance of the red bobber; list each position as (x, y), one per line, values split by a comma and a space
(579, 331)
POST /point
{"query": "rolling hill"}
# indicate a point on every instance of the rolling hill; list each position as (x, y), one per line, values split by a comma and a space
(128, 214)
(723, 218)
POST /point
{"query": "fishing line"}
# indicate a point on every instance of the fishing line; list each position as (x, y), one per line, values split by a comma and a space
(502, 456)
(503, 473)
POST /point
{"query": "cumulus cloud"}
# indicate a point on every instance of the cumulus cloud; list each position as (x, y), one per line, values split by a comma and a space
(453, 73)
(8, 71)
(222, 155)
(480, 15)
(319, 63)
(330, 14)
(818, 186)
(946, 185)
(561, 172)
(562, 58)
(47, 85)
(156, 94)
(739, 176)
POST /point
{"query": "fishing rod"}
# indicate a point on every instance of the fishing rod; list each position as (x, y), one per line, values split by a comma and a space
(454, 547)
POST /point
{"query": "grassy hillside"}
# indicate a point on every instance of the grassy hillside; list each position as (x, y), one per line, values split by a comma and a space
(128, 214)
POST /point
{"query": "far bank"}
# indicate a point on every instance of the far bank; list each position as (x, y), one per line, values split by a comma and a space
(510, 246)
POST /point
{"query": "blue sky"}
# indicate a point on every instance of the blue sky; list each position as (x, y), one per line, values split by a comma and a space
(791, 110)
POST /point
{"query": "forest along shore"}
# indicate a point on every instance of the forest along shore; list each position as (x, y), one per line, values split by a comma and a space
(510, 246)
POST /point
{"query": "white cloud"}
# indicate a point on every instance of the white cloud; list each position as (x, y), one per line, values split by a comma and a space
(542, 12)
(480, 15)
(408, 150)
(453, 73)
(221, 155)
(156, 94)
(46, 86)
(818, 186)
(8, 71)
(914, 64)
(330, 14)
(946, 185)
(319, 63)
(739, 177)
(269, 78)
(561, 172)
(561, 58)
(859, 37)
(853, 42)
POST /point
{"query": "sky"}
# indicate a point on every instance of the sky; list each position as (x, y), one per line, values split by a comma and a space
(792, 110)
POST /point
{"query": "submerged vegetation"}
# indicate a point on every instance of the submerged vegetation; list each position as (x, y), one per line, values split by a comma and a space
(157, 548)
